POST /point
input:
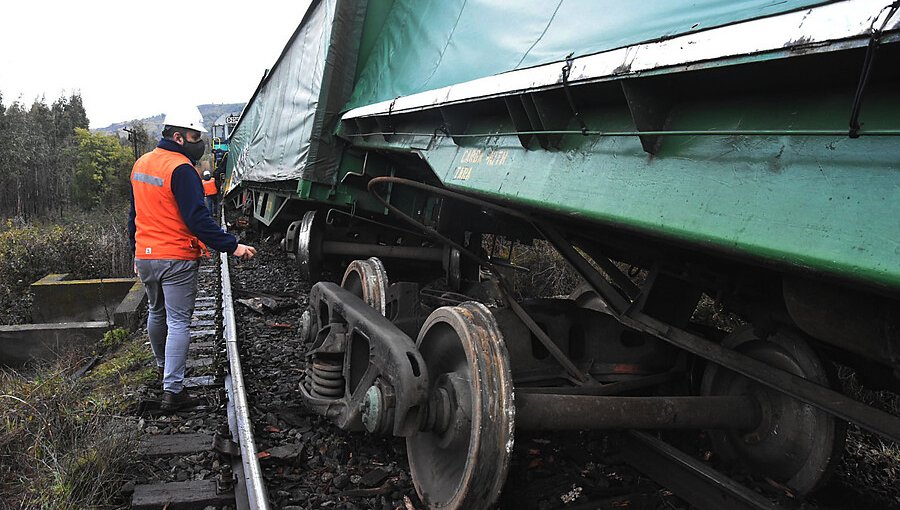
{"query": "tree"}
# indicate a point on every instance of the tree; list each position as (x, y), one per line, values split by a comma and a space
(13, 154)
(68, 114)
(102, 170)
(37, 156)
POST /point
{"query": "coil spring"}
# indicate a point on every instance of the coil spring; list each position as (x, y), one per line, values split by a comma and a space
(327, 378)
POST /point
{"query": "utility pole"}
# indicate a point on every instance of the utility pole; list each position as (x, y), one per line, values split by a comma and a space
(134, 141)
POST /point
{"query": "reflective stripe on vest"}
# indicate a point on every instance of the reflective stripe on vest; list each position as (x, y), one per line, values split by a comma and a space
(160, 231)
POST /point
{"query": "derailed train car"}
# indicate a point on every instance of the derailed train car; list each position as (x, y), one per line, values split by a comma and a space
(743, 150)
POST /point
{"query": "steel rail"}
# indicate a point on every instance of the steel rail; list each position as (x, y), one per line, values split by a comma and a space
(257, 496)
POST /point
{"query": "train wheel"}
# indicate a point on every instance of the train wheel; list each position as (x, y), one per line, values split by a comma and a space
(308, 242)
(368, 280)
(460, 461)
(795, 443)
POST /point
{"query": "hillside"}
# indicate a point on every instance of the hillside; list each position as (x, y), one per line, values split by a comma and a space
(154, 124)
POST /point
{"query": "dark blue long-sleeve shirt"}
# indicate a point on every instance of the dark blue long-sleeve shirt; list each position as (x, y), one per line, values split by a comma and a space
(188, 191)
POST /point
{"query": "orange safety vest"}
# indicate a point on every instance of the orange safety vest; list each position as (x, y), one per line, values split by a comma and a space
(209, 187)
(160, 231)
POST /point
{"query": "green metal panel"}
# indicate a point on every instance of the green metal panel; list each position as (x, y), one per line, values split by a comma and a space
(826, 203)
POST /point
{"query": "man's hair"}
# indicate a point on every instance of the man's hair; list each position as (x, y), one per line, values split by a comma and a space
(168, 132)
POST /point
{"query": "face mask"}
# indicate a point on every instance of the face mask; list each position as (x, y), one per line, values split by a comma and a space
(194, 150)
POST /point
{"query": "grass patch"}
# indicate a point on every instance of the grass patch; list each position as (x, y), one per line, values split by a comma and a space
(870, 463)
(64, 441)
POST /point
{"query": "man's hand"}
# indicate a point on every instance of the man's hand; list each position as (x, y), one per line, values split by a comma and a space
(135, 269)
(244, 252)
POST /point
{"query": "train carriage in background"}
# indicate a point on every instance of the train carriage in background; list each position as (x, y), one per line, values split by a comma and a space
(743, 150)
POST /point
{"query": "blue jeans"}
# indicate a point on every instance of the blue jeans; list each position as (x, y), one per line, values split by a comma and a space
(171, 287)
(212, 203)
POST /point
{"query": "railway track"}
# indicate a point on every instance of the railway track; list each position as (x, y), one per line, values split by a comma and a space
(282, 455)
(233, 478)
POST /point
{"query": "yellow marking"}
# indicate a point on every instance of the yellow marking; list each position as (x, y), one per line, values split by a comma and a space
(463, 173)
(497, 158)
(472, 156)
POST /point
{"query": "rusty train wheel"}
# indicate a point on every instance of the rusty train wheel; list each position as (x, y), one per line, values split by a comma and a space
(461, 460)
(795, 443)
(307, 243)
(368, 280)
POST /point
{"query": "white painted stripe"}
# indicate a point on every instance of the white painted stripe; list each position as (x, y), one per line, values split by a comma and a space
(812, 30)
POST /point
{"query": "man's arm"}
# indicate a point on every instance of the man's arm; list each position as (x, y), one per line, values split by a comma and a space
(188, 191)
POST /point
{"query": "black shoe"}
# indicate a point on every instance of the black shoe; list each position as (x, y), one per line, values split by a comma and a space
(175, 401)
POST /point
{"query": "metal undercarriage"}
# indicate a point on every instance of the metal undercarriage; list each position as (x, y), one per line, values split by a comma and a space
(455, 365)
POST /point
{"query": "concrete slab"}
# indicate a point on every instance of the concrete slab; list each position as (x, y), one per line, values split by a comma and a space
(128, 313)
(59, 299)
(23, 342)
(69, 313)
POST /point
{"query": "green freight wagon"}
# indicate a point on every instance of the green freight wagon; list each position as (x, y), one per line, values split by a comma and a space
(744, 150)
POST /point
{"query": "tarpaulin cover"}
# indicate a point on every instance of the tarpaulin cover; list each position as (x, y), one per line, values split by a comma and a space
(280, 135)
(426, 45)
(285, 132)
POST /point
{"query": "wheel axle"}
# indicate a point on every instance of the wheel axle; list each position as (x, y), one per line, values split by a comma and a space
(585, 412)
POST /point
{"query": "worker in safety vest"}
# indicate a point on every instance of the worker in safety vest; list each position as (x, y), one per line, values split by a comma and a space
(211, 192)
(170, 227)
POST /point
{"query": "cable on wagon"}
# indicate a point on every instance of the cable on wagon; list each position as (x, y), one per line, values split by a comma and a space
(868, 63)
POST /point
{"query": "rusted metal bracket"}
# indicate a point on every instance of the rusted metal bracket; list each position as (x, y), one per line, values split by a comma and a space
(828, 400)
(566, 70)
(694, 481)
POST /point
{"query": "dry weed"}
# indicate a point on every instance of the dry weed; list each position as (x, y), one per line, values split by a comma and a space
(61, 447)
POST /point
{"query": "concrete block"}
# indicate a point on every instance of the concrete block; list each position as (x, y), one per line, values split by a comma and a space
(23, 342)
(62, 300)
(128, 313)
(70, 313)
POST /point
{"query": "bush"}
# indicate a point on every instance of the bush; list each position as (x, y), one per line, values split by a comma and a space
(88, 246)
(548, 275)
(114, 338)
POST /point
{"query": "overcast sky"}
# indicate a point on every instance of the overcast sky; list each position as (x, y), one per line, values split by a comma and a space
(131, 59)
